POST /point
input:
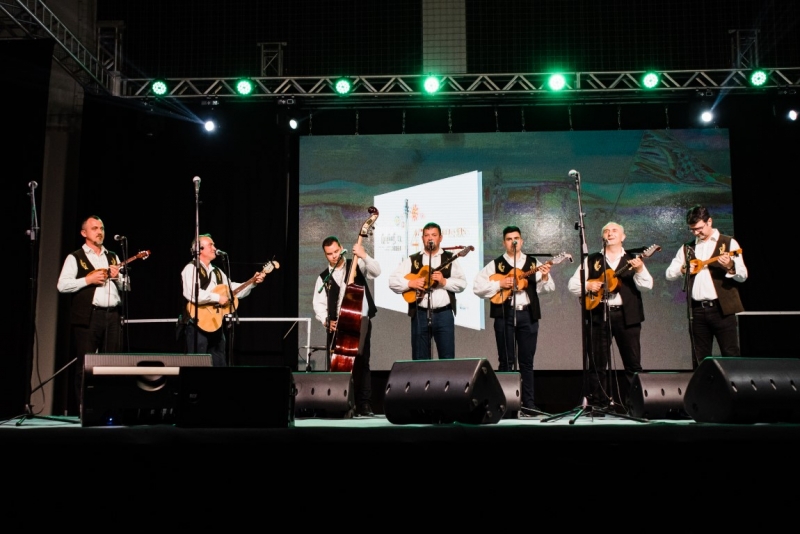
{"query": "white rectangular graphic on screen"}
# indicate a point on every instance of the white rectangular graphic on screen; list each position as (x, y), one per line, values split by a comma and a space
(456, 205)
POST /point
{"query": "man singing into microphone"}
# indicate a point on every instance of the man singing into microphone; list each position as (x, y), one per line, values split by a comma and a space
(93, 276)
(436, 276)
(329, 292)
(516, 319)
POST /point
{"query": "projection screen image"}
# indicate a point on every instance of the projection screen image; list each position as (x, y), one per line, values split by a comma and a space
(474, 185)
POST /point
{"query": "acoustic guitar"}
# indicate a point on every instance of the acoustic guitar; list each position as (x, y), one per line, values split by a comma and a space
(413, 295)
(140, 256)
(695, 266)
(503, 294)
(593, 298)
(351, 326)
(211, 316)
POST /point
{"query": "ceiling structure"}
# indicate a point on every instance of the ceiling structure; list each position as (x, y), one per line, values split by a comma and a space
(32, 19)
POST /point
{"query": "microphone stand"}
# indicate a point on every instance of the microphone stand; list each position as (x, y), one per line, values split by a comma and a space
(429, 291)
(123, 296)
(231, 318)
(196, 266)
(515, 360)
(330, 336)
(687, 291)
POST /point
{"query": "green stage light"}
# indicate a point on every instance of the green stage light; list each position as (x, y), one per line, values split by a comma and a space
(758, 78)
(431, 84)
(343, 86)
(244, 86)
(650, 80)
(158, 87)
(556, 82)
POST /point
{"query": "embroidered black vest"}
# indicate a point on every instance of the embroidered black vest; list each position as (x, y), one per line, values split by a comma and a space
(727, 289)
(416, 266)
(632, 306)
(333, 289)
(501, 266)
(81, 311)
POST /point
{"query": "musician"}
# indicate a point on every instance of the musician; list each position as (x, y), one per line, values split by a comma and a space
(93, 276)
(625, 310)
(329, 292)
(712, 291)
(210, 277)
(438, 298)
(516, 319)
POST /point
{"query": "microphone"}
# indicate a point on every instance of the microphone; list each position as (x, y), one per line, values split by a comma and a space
(514, 242)
(431, 245)
(343, 252)
(196, 181)
(574, 174)
(119, 237)
(221, 253)
(33, 184)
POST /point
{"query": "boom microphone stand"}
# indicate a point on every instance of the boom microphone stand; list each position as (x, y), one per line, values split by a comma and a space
(429, 291)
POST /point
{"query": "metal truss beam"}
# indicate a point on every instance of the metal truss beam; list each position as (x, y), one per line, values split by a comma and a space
(32, 19)
(477, 89)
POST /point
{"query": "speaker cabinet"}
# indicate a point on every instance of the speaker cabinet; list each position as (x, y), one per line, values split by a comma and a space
(744, 390)
(133, 389)
(325, 395)
(512, 389)
(659, 395)
(236, 397)
(463, 390)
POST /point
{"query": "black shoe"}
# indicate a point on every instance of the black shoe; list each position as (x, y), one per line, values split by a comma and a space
(365, 410)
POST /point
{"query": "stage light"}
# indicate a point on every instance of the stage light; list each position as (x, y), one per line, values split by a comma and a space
(209, 126)
(650, 80)
(556, 82)
(343, 86)
(293, 124)
(707, 116)
(158, 87)
(244, 86)
(431, 84)
(792, 115)
(757, 78)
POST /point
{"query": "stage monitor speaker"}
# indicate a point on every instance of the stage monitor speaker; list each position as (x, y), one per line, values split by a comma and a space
(236, 397)
(659, 395)
(324, 395)
(744, 390)
(511, 383)
(133, 389)
(463, 390)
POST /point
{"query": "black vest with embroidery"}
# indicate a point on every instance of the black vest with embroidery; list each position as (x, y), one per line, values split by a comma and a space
(632, 306)
(501, 266)
(81, 311)
(727, 289)
(333, 289)
(417, 265)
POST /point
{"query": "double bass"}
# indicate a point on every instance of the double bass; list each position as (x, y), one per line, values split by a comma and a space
(351, 326)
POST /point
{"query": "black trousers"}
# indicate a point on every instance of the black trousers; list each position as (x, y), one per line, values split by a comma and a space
(627, 338)
(709, 324)
(102, 334)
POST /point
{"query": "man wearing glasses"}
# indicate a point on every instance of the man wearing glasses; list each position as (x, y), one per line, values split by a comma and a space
(713, 267)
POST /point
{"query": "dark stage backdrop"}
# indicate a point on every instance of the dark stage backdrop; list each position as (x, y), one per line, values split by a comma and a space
(26, 76)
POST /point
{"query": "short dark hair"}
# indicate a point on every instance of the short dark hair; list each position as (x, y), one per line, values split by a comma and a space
(330, 240)
(509, 229)
(194, 244)
(697, 213)
(432, 225)
(83, 222)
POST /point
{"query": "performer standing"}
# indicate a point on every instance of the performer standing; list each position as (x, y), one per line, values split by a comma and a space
(212, 294)
(715, 268)
(516, 318)
(625, 310)
(93, 275)
(436, 291)
(329, 291)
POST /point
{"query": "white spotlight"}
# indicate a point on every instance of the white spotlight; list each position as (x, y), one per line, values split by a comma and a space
(792, 115)
(293, 124)
(707, 116)
(209, 126)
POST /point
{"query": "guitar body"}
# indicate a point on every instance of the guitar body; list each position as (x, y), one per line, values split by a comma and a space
(211, 316)
(502, 295)
(412, 295)
(595, 298)
(695, 265)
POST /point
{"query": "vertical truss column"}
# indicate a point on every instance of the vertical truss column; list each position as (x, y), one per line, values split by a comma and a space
(109, 50)
(272, 59)
(744, 49)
